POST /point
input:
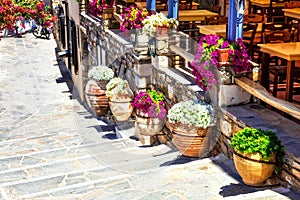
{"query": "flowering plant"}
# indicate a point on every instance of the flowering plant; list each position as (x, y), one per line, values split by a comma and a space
(206, 59)
(97, 6)
(158, 20)
(12, 11)
(118, 89)
(133, 17)
(192, 113)
(150, 103)
(101, 73)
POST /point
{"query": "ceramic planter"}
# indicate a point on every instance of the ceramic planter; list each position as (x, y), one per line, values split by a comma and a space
(189, 140)
(97, 99)
(253, 170)
(148, 126)
(121, 109)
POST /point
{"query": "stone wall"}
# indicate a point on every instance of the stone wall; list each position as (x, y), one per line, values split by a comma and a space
(107, 47)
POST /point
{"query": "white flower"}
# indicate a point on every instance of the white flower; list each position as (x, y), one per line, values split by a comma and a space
(118, 89)
(159, 19)
(101, 73)
(192, 113)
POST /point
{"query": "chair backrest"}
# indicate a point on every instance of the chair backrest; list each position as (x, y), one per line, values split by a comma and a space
(185, 4)
(216, 9)
(275, 26)
(277, 37)
(292, 4)
(216, 20)
(274, 11)
(248, 39)
(254, 18)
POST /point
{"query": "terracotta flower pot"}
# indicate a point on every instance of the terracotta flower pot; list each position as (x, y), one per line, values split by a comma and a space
(148, 126)
(189, 140)
(253, 170)
(223, 55)
(97, 99)
(121, 110)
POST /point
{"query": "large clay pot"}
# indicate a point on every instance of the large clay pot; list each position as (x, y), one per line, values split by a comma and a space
(148, 126)
(189, 140)
(97, 99)
(253, 170)
(121, 110)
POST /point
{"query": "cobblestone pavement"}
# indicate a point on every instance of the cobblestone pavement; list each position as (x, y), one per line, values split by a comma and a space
(51, 147)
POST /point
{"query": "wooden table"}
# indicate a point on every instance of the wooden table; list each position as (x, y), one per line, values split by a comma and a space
(264, 4)
(193, 15)
(290, 52)
(221, 29)
(142, 5)
(293, 12)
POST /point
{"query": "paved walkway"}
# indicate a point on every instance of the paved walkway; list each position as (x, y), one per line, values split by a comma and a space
(51, 147)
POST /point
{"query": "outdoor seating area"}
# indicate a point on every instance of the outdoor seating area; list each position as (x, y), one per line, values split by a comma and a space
(198, 79)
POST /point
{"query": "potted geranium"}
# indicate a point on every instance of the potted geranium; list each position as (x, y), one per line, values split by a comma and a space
(96, 89)
(150, 111)
(189, 122)
(256, 153)
(120, 98)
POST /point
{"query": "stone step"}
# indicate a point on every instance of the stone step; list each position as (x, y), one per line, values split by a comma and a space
(50, 155)
(84, 171)
(175, 180)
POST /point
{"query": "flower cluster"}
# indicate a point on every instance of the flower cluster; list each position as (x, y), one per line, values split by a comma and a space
(151, 104)
(240, 58)
(118, 89)
(192, 113)
(133, 17)
(101, 73)
(97, 6)
(206, 59)
(158, 20)
(13, 10)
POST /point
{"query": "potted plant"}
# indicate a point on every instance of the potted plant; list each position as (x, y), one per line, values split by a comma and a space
(133, 17)
(207, 58)
(120, 98)
(256, 153)
(96, 89)
(150, 109)
(189, 122)
(101, 74)
(159, 23)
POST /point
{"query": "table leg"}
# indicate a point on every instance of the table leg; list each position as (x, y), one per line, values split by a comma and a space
(289, 80)
(264, 79)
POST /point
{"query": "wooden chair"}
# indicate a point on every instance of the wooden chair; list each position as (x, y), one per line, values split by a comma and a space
(185, 4)
(275, 13)
(216, 9)
(254, 18)
(216, 20)
(277, 73)
(161, 5)
(249, 31)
